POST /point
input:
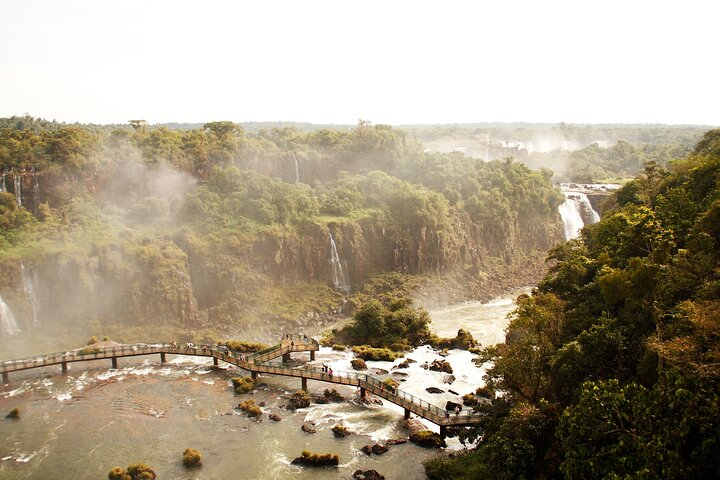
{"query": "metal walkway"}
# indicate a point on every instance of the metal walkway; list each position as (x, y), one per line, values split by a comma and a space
(256, 364)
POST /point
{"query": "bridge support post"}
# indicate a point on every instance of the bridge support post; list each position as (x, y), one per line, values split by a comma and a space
(254, 375)
(312, 355)
(304, 384)
(114, 362)
(286, 357)
(63, 365)
(362, 392)
(215, 361)
(6, 377)
(407, 414)
(162, 358)
(443, 431)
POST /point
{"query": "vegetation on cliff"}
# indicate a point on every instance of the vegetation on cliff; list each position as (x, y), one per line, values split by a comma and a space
(610, 369)
(216, 229)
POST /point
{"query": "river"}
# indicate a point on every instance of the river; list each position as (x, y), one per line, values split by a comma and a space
(82, 424)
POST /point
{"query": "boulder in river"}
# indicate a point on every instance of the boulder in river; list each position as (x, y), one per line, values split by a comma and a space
(358, 364)
(309, 427)
(434, 390)
(367, 475)
(441, 366)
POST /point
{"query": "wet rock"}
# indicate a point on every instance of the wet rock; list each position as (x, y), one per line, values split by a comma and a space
(427, 439)
(261, 404)
(453, 392)
(404, 364)
(309, 427)
(380, 371)
(297, 400)
(378, 449)
(396, 441)
(358, 364)
(434, 390)
(451, 406)
(275, 417)
(14, 414)
(367, 475)
(414, 425)
(400, 374)
(309, 459)
(449, 379)
(340, 431)
(441, 366)
(367, 449)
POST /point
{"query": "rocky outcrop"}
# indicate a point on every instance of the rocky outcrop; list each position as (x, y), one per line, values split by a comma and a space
(367, 475)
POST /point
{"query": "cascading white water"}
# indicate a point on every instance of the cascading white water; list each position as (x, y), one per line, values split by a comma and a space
(8, 325)
(297, 171)
(2, 184)
(28, 281)
(340, 280)
(18, 189)
(575, 211)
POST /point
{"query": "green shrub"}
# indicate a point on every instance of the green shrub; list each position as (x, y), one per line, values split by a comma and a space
(250, 408)
(92, 340)
(88, 351)
(243, 384)
(137, 471)
(317, 459)
(191, 458)
(14, 414)
(428, 439)
(390, 384)
(339, 347)
(366, 352)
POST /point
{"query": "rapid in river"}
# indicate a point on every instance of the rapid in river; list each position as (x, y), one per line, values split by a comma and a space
(82, 424)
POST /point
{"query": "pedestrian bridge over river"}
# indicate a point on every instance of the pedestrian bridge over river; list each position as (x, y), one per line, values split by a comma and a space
(256, 363)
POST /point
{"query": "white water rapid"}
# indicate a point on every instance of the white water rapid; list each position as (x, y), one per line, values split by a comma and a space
(8, 325)
(83, 423)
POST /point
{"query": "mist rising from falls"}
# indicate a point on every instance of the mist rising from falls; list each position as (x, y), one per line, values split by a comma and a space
(29, 280)
(8, 325)
(575, 212)
(340, 280)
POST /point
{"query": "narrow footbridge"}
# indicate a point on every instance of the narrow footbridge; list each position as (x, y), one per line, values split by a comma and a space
(256, 363)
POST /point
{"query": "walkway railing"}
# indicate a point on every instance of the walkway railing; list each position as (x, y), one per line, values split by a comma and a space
(257, 363)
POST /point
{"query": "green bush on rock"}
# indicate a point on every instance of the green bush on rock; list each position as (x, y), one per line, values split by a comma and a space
(243, 384)
(191, 458)
(366, 352)
(136, 471)
(310, 459)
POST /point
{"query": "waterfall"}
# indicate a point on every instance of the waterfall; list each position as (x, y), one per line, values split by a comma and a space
(18, 189)
(340, 280)
(297, 170)
(575, 212)
(3, 188)
(7, 320)
(29, 281)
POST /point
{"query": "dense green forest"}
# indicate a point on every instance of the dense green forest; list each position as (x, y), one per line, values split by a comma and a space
(215, 229)
(611, 367)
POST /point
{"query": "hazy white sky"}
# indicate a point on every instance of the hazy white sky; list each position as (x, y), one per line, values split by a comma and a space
(338, 61)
